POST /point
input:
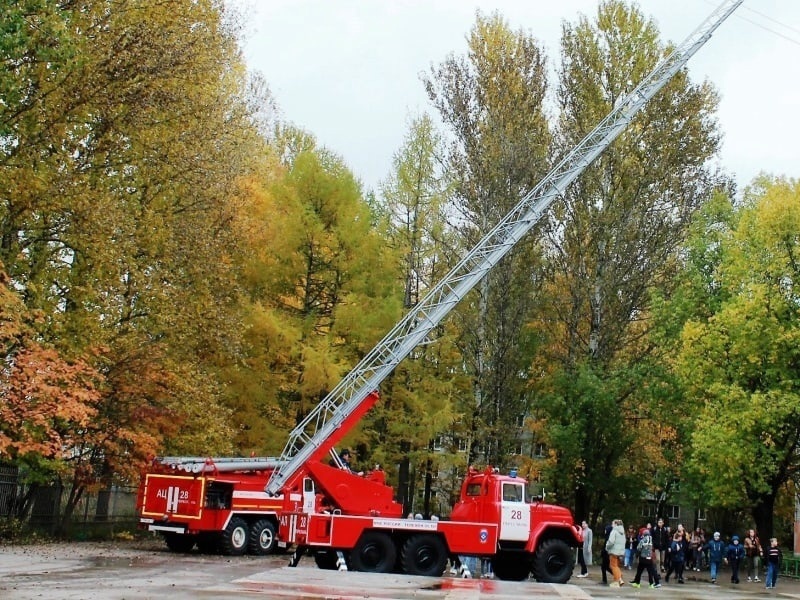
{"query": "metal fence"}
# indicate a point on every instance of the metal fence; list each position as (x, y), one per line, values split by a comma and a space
(8, 487)
(790, 567)
(99, 514)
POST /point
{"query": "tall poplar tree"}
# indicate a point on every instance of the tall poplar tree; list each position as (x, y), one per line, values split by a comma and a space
(491, 102)
(612, 242)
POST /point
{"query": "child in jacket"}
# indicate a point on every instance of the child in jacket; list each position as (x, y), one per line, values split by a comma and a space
(678, 554)
(774, 558)
(717, 551)
(735, 556)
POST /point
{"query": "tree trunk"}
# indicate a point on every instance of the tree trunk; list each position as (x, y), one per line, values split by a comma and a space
(763, 515)
(404, 481)
(426, 504)
(75, 494)
(24, 502)
(581, 504)
(104, 495)
(103, 505)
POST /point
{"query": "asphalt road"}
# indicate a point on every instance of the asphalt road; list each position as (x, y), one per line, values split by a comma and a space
(137, 570)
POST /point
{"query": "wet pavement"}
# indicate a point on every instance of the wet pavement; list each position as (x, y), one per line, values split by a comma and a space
(124, 571)
(300, 583)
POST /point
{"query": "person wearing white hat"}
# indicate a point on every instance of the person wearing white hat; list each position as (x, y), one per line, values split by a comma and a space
(716, 552)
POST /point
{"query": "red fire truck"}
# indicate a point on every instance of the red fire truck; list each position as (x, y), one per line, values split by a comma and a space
(493, 519)
(349, 521)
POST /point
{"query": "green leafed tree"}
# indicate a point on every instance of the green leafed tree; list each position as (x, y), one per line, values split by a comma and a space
(612, 243)
(738, 356)
(491, 102)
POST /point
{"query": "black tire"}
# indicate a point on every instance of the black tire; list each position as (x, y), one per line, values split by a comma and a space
(233, 541)
(510, 566)
(208, 543)
(374, 553)
(263, 538)
(325, 559)
(180, 542)
(424, 554)
(553, 562)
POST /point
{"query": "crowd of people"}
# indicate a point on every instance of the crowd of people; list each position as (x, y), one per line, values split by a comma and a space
(661, 551)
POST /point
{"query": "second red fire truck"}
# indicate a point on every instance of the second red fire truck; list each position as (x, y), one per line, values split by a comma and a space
(217, 504)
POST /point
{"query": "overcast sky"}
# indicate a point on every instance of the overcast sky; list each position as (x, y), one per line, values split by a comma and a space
(348, 71)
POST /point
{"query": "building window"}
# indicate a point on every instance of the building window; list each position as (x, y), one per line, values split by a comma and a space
(438, 443)
(517, 449)
(461, 444)
(674, 511)
(701, 514)
(539, 450)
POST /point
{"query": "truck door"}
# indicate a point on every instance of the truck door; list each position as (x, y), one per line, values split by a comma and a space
(309, 496)
(515, 514)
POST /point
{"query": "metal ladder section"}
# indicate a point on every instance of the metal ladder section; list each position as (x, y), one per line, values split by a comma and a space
(226, 464)
(410, 331)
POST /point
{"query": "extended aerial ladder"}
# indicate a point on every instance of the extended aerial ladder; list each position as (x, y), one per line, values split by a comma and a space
(333, 416)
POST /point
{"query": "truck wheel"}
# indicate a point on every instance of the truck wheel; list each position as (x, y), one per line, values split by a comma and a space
(511, 567)
(553, 562)
(233, 540)
(262, 538)
(423, 555)
(208, 543)
(326, 559)
(179, 542)
(374, 553)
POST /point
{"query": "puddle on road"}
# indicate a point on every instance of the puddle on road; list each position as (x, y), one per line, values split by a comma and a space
(117, 561)
(480, 585)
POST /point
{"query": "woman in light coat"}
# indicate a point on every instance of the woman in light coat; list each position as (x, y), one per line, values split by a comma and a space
(587, 543)
(616, 550)
(585, 553)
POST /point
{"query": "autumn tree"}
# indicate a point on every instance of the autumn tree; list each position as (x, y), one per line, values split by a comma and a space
(612, 242)
(320, 286)
(127, 131)
(491, 102)
(738, 354)
(48, 406)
